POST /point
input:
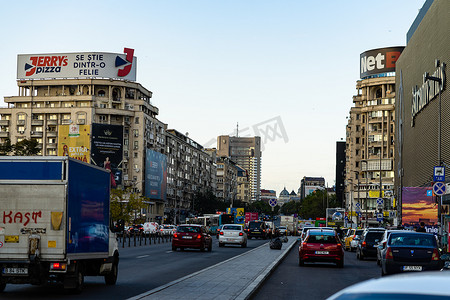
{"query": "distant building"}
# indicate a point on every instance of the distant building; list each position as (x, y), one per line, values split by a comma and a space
(266, 195)
(284, 197)
(310, 184)
(246, 152)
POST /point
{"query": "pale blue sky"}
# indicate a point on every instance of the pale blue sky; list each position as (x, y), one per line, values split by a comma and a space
(211, 64)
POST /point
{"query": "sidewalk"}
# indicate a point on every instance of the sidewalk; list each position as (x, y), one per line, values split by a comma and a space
(225, 280)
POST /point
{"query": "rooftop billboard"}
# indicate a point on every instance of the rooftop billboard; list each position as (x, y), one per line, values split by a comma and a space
(378, 61)
(77, 65)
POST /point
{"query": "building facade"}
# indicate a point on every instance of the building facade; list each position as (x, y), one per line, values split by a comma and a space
(310, 184)
(246, 152)
(370, 135)
(227, 183)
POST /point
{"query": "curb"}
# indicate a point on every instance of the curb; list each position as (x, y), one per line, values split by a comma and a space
(251, 289)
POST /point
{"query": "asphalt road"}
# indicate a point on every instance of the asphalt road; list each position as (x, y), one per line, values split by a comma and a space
(141, 268)
(316, 280)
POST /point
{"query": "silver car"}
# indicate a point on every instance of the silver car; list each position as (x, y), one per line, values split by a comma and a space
(233, 234)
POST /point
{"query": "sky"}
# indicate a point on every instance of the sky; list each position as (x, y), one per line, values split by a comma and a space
(283, 70)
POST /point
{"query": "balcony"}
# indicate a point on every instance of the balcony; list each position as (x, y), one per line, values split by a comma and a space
(52, 134)
(66, 122)
(51, 146)
(4, 134)
(36, 134)
(37, 122)
(52, 122)
(4, 122)
(20, 122)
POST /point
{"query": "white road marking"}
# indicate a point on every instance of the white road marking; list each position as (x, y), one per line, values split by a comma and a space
(142, 256)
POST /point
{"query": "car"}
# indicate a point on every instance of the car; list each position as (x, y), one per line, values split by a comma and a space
(380, 249)
(151, 227)
(167, 229)
(367, 246)
(400, 286)
(257, 229)
(409, 251)
(135, 229)
(233, 234)
(218, 230)
(283, 230)
(191, 236)
(351, 234)
(305, 230)
(321, 245)
(355, 240)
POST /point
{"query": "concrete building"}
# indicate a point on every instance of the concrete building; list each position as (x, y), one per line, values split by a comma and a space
(190, 170)
(227, 183)
(370, 134)
(310, 184)
(246, 152)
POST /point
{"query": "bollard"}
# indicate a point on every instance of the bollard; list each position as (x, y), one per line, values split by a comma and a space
(159, 239)
(145, 239)
(149, 239)
(140, 239)
(134, 237)
(123, 240)
(129, 240)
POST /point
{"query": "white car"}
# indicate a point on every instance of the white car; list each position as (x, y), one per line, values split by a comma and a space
(151, 227)
(167, 229)
(402, 286)
(233, 234)
(283, 230)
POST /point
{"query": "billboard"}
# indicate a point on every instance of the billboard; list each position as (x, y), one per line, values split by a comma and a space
(77, 65)
(155, 175)
(378, 61)
(418, 207)
(74, 141)
(107, 149)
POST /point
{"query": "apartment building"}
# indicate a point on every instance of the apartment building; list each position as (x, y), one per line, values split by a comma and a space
(370, 132)
(227, 183)
(190, 170)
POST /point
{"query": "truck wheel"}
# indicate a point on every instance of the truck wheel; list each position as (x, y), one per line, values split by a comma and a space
(79, 282)
(111, 278)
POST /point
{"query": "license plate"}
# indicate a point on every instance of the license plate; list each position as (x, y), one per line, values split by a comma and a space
(412, 268)
(322, 252)
(187, 237)
(15, 271)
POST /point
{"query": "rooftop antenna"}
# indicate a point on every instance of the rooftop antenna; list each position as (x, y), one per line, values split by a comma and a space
(237, 129)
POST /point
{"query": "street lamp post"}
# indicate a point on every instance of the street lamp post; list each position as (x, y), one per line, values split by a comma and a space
(367, 186)
(438, 80)
(351, 201)
(357, 214)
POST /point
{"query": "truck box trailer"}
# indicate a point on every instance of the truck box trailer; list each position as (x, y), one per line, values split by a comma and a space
(54, 222)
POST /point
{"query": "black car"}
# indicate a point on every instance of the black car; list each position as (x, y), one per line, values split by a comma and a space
(257, 229)
(410, 251)
(367, 246)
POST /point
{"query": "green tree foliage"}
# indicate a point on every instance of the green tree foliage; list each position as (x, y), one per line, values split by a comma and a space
(314, 205)
(207, 203)
(262, 207)
(291, 207)
(22, 148)
(126, 205)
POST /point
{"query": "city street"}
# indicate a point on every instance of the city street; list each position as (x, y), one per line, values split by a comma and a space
(314, 280)
(141, 268)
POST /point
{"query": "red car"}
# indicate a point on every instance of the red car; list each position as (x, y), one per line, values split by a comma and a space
(321, 246)
(191, 236)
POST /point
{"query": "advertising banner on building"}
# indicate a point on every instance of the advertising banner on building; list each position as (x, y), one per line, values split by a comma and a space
(77, 65)
(378, 61)
(74, 141)
(418, 207)
(239, 214)
(155, 175)
(107, 150)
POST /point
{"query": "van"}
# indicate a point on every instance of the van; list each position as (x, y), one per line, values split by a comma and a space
(151, 227)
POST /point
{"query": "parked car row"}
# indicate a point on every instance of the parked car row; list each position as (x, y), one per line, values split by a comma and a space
(150, 228)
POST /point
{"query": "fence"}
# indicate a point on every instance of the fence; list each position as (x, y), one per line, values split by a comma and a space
(138, 239)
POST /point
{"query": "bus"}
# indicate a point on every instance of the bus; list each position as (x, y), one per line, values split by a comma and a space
(212, 221)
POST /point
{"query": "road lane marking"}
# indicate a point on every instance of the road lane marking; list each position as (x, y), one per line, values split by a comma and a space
(142, 256)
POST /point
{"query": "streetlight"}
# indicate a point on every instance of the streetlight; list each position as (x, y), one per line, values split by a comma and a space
(367, 186)
(438, 80)
(357, 217)
(351, 202)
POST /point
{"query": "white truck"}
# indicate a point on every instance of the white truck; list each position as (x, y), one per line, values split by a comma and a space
(54, 222)
(291, 223)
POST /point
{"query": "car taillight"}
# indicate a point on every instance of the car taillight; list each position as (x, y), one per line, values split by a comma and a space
(364, 244)
(339, 245)
(264, 230)
(389, 254)
(175, 235)
(241, 234)
(199, 236)
(58, 266)
(435, 255)
(221, 233)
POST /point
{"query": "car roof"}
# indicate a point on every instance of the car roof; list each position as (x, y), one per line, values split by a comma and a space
(321, 231)
(196, 225)
(412, 283)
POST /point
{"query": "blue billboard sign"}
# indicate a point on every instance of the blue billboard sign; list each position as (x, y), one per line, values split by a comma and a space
(155, 175)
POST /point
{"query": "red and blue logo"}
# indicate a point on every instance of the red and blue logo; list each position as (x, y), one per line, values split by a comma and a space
(128, 62)
(45, 64)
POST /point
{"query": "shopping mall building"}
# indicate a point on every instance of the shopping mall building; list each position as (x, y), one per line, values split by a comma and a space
(422, 111)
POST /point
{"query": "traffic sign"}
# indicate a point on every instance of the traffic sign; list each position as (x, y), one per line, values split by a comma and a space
(380, 201)
(273, 202)
(379, 217)
(439, 173)
(439, 188)
(358, 205)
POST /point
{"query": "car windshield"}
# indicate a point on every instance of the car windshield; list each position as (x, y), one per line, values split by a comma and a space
(188, 229)
(372, 236)
(412, 240)
(359, 231)
(231, 227)
(329, 239)
(254, 225)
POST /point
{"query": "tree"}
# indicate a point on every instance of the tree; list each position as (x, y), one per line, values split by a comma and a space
(207, 203)
(6, 148)
(262, 207)
(26, 148)
(291, 207)
(125, 205)
(314, 205)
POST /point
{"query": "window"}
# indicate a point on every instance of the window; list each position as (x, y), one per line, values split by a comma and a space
(136, 120)
(102, 118)
(51, 151)
(66, 116)
(136, 145)
(136, 154)
(53, 117)
(101, 93)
